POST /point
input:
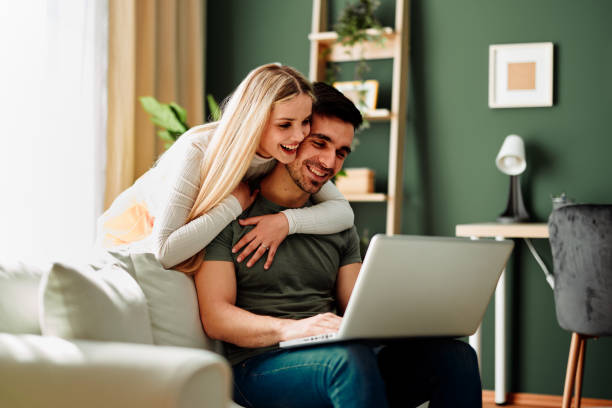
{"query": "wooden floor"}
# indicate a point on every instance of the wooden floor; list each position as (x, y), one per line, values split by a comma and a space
(494, 405)
(524, 400)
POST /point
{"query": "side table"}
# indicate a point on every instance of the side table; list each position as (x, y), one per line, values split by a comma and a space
(501, 231)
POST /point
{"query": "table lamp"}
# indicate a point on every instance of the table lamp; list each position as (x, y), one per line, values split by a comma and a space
(511, 161)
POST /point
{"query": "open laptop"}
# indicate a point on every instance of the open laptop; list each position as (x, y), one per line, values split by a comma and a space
(416, 286)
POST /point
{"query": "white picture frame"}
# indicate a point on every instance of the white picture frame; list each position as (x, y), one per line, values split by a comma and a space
(521, 75)
(363, 94)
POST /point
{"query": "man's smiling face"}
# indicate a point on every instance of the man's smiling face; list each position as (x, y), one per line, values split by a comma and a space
(322, 154)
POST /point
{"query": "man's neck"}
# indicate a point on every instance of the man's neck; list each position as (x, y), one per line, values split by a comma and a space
(280, 188)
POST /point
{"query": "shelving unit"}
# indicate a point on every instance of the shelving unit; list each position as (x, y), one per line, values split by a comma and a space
(373, 198)
(324, 49)
(378, 115)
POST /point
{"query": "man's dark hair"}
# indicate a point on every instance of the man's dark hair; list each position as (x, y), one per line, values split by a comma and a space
(332, 103)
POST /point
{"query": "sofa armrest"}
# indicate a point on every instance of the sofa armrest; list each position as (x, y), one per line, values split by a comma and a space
(49, 371)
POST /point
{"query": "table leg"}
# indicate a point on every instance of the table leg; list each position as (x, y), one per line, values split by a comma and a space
(500, 340)
(475, 341)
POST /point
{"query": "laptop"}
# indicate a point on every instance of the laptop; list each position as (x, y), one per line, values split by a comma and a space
(419, 286)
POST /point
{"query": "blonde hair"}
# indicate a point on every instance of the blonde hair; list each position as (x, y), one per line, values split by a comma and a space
(237, 136)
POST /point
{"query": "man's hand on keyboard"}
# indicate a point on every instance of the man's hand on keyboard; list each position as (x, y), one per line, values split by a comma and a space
(312, 326)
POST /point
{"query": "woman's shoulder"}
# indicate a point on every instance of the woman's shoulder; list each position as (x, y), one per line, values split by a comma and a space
(190, 146)
(194, 142)
(200, 136)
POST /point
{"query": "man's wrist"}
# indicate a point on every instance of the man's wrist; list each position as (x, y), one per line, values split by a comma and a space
(278, 327)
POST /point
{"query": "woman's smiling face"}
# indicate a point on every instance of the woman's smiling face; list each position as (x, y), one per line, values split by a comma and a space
(288, 125)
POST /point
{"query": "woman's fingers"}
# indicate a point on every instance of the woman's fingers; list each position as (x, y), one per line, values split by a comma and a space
(250, 221)
(270, 258)
(268, 233)
(249, 249)
(247, 238)
(257, 255)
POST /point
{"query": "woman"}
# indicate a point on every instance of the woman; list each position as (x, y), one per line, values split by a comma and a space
(199, 185)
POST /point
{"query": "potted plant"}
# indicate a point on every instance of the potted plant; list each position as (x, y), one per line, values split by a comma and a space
(172, 118)
(354, 29)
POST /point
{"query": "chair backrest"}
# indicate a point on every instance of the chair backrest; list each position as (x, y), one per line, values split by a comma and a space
(581, 243)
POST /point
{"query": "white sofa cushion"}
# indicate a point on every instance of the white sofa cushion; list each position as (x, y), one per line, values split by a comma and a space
(173, 304)
(19, 296)
(79, 302)
(171, 298)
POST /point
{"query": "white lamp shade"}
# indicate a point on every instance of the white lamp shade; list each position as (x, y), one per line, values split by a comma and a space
(511, 157)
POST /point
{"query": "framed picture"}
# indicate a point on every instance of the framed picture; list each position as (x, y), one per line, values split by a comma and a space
(520, 75)
(362, 93)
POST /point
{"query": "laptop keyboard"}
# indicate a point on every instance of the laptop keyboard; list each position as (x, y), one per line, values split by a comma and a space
(310, 339)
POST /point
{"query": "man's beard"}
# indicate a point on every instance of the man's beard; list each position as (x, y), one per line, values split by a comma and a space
(305, 183)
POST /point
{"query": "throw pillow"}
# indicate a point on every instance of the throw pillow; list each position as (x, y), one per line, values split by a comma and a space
(173, 303)
(84, 303)
(19, 296)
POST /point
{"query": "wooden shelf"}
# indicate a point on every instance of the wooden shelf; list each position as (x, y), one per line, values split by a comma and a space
(369, 50)
(378, 115)
(332, 36)
(372, 197)
(325, 48)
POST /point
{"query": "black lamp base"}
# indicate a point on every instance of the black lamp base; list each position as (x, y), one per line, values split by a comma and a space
(515, 210)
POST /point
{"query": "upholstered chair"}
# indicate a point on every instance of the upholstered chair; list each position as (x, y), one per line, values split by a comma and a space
(581, 243)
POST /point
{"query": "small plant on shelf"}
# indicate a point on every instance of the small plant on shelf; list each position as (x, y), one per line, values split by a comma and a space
(352, 26)
(352, 29)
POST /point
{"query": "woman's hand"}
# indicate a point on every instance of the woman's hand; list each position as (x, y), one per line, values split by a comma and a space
(243, 193)
(270, 230)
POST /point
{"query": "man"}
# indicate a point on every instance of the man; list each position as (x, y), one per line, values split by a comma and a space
(306, 291)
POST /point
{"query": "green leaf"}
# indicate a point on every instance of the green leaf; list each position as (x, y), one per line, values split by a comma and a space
(180, 113)
(341, 173)
(169, 121)
(213, 107)
(162, 114)
(166, 136)
(150, 105)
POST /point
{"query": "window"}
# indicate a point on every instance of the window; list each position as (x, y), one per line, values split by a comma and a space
(53, 110)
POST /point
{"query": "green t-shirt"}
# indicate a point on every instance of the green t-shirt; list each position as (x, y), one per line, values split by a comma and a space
(301, 281)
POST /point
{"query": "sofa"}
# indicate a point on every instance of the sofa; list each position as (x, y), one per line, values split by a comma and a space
(120, 332)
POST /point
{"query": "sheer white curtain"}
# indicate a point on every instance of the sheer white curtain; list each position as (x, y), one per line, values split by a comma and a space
(53, 59)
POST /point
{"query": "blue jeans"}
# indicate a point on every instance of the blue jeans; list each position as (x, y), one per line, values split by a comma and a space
(402, 373)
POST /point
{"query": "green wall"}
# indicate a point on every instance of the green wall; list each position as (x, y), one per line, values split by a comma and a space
(243, 34)
(453, 137)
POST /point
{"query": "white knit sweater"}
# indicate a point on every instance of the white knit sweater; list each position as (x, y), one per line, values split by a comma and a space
(178, 174)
